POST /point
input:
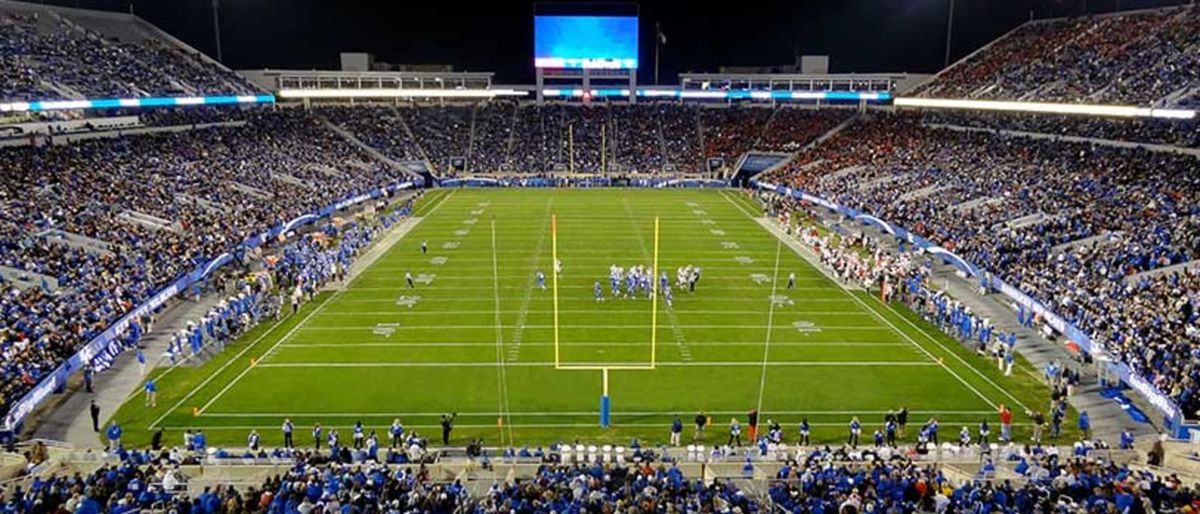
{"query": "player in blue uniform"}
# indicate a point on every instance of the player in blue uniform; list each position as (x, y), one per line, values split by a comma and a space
(668, 296)
(598, 291)
(541, 280)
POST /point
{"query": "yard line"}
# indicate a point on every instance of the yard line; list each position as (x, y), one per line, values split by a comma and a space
(569, 413)
(426, 344)
(500, 378)
(796, 301)
(581, 424)
(442, 313)
(289, 333)
(680, 337)
(342, 328)
(550, 364)
(269, 331)
(742, 267)
(762, 384)
(771, 229)
(401, 288)
(518, 335)
(309, 317)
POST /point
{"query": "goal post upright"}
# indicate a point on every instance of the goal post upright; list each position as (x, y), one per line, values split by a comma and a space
(605, 399)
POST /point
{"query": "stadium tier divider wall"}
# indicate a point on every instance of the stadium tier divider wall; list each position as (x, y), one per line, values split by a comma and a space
(124, 333)
(1173, 416)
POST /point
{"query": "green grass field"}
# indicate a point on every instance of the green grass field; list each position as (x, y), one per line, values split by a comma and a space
(476, 336)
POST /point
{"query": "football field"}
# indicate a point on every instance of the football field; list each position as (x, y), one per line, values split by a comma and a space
(525, 365)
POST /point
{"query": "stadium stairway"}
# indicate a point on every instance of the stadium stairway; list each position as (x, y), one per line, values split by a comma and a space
(353, 140)
(1108, 419)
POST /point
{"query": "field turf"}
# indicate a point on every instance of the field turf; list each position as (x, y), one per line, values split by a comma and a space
(476, 336)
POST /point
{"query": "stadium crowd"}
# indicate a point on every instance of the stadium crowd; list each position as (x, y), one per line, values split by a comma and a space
(646, 138)
(1076, 226)
(105, 223)
(823, 480)
(1180, 133)
(1041, 481)
(1137, 57)
(45, 56)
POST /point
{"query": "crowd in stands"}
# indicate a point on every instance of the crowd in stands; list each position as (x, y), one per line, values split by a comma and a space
(1139, 57)
(600, 487)
(154, 207)
(380, 127)
(824, 480)
(1042, 481)
(1074, 225)
(1180, 133)
(442, 131)
(45, 56)
(633, 139)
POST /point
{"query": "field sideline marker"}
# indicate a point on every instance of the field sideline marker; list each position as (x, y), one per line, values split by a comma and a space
(502, 420)
(888, 322)
(762, 383)
(237, 357)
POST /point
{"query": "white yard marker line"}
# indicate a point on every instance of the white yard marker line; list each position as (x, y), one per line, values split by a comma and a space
(676, 330)
(502, 381)
(390, 414)
(358, 328)
(302, 322)
(518, 336)
(285, 337)
(614, 365)
(443, 313)
(271, 330)
(401, 344)
(959, 358)
(579, 425)
(762, 383)
(775, 232)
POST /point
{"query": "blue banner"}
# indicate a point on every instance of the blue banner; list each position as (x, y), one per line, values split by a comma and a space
(105, 347)
(1148, 391)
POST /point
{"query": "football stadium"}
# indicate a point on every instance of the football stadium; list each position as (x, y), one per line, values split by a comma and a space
(587, 267)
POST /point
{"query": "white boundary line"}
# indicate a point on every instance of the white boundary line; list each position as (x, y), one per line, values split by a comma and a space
(592, 365)
(502, 382)
(771, 229)
(762, 383)
(584, 425)
(239, 355)
(293, 345)
(856, 312)
(363, 328)
(573, 413)
(289, 333)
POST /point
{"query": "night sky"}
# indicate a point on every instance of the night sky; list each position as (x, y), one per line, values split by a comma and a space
(859, 35)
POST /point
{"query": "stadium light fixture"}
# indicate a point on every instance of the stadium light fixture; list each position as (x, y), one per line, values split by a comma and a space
(1119, 111)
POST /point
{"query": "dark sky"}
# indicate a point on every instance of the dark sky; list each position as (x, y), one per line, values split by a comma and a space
(859, 35)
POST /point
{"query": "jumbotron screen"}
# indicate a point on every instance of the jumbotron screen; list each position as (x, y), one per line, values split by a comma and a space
(601, 42)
